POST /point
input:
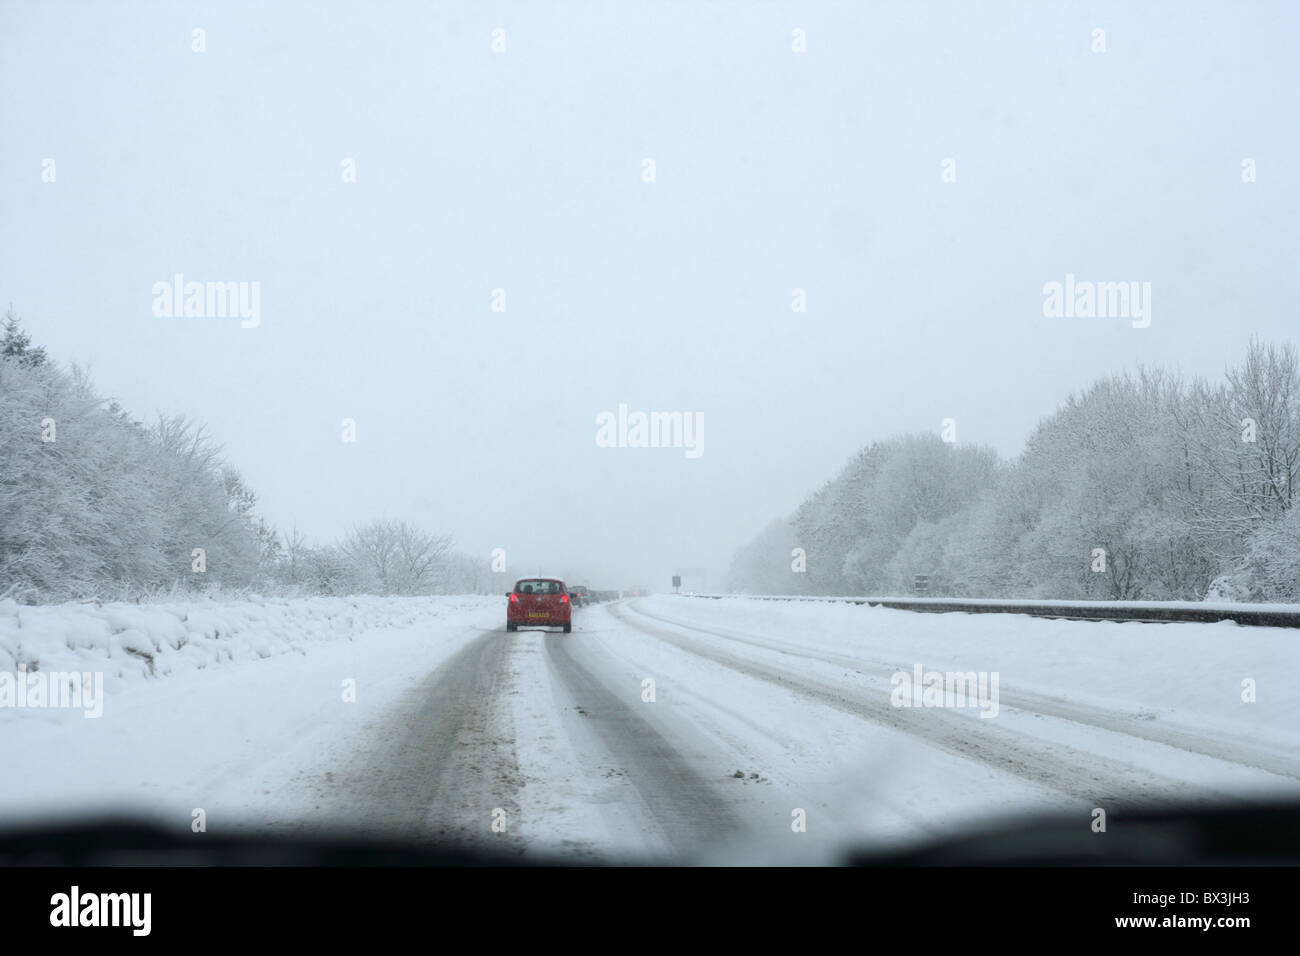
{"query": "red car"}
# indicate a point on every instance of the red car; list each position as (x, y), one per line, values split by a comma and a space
(539, 602)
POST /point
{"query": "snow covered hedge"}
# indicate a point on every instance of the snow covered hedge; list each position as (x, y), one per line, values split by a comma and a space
(134, 641)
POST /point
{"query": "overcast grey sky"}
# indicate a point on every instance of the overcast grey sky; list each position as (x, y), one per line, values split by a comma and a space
(522, 170)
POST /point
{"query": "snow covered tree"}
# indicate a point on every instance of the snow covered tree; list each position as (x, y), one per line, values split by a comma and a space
(93, 503)
(395, 557)
(1139, 486)
(15, 344)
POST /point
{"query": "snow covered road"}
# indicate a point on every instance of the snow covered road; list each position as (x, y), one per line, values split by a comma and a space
(671, 727)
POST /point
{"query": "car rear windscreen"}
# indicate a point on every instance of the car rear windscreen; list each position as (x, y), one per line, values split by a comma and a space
(539, 587)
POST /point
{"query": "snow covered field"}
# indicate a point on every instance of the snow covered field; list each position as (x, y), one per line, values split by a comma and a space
(663, 725)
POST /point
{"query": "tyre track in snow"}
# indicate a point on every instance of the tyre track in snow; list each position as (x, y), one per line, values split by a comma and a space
(684, 806)
(1228, 751)
(439, 764)
(1087, 777)
(844, 787)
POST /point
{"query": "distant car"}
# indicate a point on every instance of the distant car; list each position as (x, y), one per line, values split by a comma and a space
(580, 595)
(539, 602)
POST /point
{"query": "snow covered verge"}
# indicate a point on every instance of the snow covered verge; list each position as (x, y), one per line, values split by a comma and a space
(255, 692)
(1216, 678)
(1224, 606)
(132, 641)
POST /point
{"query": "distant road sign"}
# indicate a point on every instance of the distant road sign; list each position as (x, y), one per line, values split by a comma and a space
(921, 584)
(677, 580)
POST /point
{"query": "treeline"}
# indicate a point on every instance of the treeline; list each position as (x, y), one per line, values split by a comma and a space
(94, 504)
(1144, 486)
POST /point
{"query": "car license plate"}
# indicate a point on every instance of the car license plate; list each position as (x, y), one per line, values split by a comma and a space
(538, 614)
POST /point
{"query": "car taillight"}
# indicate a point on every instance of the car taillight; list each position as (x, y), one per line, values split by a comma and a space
(514, 598)
(564, 598)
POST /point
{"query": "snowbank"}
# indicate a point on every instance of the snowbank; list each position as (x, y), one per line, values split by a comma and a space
(134, 641)
(253, 702)
(1189, 673)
